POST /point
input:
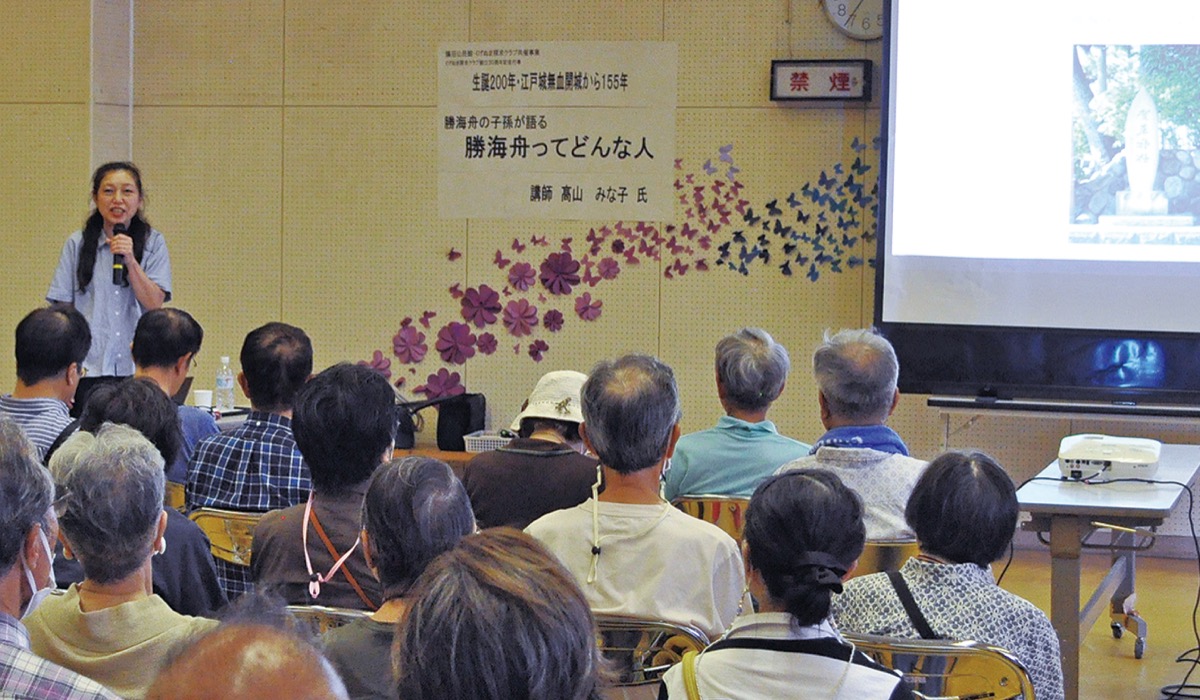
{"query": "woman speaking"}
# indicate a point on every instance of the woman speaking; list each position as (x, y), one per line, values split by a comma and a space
(112, 271)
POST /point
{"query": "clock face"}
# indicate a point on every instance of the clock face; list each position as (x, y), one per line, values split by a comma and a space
(859, 19)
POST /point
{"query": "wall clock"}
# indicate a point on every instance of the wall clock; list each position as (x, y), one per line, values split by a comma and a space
(857, 19)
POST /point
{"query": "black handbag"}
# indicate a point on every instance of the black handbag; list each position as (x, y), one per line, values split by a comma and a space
(457, 416)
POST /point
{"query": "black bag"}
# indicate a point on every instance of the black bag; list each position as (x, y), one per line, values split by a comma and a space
(460, 415)
(457, 416)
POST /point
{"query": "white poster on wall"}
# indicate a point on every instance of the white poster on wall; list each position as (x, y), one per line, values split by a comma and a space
(556, 130)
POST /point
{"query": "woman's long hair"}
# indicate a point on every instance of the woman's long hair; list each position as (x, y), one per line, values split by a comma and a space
(93, 227)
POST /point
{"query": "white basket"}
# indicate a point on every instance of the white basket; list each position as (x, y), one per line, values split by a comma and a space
(483, 441)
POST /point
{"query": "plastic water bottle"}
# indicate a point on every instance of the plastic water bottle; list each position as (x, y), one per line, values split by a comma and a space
(223, 397)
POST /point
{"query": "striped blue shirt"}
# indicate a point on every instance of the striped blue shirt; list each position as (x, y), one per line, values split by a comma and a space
(42, 418)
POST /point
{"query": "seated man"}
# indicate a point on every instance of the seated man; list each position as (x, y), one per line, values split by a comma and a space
(345, 427)
(165, 343)
(257, 467)
(27, 529)
(52, 343)
(632, 552)
(964, 511)
(544, 468)
(184, 575)
(111, 627)
(744, 448)
(856, 373)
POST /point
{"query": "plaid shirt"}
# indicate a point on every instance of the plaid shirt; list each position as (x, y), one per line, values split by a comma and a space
(254, 468)
(24, 675)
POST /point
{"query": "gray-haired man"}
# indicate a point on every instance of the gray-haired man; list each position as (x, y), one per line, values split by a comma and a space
(856, 373)
(27, 529)
(632, 552)
(733, 457)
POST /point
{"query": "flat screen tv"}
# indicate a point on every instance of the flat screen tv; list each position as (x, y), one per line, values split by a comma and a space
(1039, 214)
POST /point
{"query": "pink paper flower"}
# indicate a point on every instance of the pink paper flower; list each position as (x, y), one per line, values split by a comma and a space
(560, 272)
(379, 363)
(587, 309)
(553, 320)
(456, 343)
(608, 269)
(521, 276)
(536, 348)
(409, 345)
(441, 383)
(480, 306)
(520, 317)
(486, 343)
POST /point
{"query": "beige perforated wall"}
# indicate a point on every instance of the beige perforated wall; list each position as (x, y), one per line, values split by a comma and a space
(290, 158)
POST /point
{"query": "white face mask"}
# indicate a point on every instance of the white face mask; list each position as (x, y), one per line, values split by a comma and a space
(39, 594)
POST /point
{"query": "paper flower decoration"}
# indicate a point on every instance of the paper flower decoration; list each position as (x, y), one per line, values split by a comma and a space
(480, 306)
(553, 320)
(536, 348)
(379, 363)
(609, 269)
(441, 383)
(456, 343)
(520, 317)
(486, 343)
(521, 276)
(587, 309)
(560, 272)
(409, 345)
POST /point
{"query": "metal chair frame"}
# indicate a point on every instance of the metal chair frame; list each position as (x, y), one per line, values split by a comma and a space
(950, 669)
(642, 649)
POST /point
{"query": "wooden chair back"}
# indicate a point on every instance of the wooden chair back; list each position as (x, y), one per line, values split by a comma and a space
(230, 532)
(726, 512)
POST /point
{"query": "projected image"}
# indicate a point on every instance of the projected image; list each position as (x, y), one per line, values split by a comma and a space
(1136, 135)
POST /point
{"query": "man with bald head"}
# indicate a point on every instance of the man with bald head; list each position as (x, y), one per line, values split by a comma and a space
(856, 373)
(249, 660)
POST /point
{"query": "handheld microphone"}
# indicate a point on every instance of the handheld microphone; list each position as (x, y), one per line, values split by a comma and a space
(120, 276)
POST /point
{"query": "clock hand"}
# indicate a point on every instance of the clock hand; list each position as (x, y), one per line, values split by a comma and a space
(850, 17)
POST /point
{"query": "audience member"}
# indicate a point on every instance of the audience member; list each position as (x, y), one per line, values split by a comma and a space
(541, 470)
(257, 467)
(111, 627)
(184, 576)
(632, 552)
(414, 510)
(52, 343)
(498, 618)
(856, 373)
(249, 660)
(804, 533)
(27, 527)
(165, 344)
(964, 511)
(744, 448)
(345, 427)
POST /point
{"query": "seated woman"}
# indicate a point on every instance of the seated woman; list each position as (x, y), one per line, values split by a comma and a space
(414, 510)
(497, 618)
(964, 511)
(804, 532)
(111, 627)
(544, 468)
(185, 575)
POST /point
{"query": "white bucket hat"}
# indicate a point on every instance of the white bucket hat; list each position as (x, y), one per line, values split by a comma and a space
(556, 397)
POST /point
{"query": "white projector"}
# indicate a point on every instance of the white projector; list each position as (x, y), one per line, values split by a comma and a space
(1089, 455)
